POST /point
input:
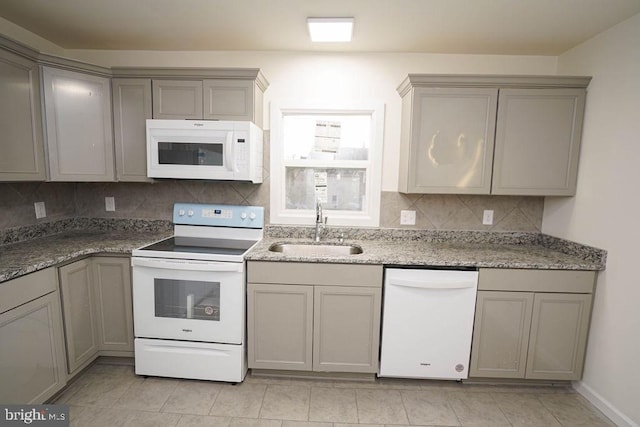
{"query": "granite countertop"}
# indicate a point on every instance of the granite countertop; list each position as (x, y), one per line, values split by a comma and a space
(389, 247)
(18, 259)
(470, 249)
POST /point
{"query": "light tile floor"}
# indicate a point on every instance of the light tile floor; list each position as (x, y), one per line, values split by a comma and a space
(112, 395)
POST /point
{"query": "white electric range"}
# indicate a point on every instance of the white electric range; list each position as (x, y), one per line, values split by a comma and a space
(189, 294)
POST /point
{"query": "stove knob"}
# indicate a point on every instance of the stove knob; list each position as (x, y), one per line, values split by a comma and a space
(243, 215)
(190, 213)
(181, 212)
(252, 215)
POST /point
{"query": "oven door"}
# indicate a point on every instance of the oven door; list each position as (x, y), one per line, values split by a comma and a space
(188, 300)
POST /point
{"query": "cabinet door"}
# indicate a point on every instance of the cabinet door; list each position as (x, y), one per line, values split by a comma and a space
(559, 329)
(450, 148)
(20, 120)
(501, 334)
(346, 328)
(78, 126)
(177, 99)
(114, 308)
(280, 326)
(32, 366)
(78, 307)
(228, 99)
(538, 136)
(131, 109)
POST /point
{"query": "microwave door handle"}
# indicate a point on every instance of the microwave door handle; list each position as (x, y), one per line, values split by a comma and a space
(228, 147)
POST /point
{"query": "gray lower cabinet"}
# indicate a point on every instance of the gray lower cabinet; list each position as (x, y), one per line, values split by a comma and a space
(131, 109)
(314, 317)
(114, 306)
(280, 326)
(501, 334)
(346, 328)
(558, 338)
(97, 309)
(20, 120)
(79, 312)
(32, 367)
(531, 324)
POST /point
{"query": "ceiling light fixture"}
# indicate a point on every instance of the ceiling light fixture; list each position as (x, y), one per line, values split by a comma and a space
(330, 29)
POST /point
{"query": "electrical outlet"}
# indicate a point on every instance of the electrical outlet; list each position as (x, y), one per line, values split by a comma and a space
(41, 211)
(109, 204)
(407, 217)
(487, 217)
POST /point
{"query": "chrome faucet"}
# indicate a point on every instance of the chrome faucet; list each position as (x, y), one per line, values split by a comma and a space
(320, 222)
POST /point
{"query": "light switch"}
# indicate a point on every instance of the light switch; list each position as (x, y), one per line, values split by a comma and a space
(109, 204)
(407, 217)
(41, 211)
(487, 217)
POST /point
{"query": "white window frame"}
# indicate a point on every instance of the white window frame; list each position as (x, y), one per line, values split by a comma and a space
(370, 216)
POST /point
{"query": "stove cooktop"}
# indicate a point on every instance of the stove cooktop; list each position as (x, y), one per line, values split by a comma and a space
(200, 245)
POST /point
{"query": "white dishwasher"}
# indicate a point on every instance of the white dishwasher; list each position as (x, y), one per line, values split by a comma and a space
(427, 323)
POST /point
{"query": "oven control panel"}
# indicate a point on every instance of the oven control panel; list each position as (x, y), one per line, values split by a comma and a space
(218, 215)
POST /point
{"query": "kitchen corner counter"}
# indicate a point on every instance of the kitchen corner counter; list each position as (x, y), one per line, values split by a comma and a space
(23, 257)
(437, 248)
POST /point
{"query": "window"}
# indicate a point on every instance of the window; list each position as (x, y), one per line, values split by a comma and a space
(329, 156)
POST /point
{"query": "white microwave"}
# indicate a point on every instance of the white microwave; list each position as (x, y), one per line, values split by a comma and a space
(203, 149)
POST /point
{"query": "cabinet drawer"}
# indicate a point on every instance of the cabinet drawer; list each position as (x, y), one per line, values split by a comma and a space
(315, 274)
(567, 281)
(26, 288)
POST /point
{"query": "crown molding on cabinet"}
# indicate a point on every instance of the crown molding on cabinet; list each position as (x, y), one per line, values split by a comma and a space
(491, 80)
(195, 73)
(133, 72)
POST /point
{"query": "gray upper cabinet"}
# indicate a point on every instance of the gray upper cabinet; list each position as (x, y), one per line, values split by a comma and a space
(20, 120)
(226, 99)
(131, 108)
(508, 135)
(78, 126)
(447, 143)
(235, 96)
(177, 99)
(538, 141)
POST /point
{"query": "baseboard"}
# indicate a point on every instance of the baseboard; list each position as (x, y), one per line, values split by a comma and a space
(604, 405)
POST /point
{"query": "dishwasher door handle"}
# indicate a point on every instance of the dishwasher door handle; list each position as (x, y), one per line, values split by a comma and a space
(454, 284)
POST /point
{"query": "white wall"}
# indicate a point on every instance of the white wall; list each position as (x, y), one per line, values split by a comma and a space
(605, 212)
(335, 80)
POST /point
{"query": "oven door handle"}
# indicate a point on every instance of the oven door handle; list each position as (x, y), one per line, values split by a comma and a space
(180, 264)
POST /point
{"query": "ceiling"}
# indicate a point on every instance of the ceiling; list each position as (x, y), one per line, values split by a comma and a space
(525, 27)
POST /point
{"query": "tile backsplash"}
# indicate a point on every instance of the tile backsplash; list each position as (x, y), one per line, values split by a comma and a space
(155, 201)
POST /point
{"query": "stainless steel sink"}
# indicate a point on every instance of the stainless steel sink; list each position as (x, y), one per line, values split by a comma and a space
(315, 249)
